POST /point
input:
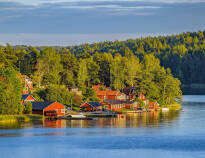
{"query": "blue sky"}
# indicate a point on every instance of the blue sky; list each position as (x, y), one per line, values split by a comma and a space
(70, 22)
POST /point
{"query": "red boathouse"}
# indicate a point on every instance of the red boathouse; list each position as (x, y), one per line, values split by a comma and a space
(48, 108)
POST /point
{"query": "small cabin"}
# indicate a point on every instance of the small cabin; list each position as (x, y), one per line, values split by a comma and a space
(114, 95)
(152, 105)
(91, 106)
(48, 108)
(118, 105)
(27, 98)
(114, 105)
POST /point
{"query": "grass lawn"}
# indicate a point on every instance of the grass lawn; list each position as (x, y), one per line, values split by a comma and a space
(15, 118)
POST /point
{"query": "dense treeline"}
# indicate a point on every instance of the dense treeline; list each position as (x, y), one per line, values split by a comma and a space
(147, 63)
(184, 54)
(113, 64)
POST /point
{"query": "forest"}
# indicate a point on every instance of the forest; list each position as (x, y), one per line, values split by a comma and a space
(156, 66)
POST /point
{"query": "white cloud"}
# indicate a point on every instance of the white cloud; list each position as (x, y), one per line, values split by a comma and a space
(118, 7)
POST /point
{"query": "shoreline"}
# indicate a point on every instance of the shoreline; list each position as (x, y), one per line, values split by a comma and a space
(18, 118)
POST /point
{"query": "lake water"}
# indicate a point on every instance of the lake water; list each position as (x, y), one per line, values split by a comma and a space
(161, 135)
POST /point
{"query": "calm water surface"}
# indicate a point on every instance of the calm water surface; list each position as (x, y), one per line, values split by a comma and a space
(161, 135)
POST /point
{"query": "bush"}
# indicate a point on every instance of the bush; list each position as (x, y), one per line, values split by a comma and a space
(27, 108)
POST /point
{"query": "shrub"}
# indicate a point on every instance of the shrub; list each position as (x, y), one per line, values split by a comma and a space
(28, 108)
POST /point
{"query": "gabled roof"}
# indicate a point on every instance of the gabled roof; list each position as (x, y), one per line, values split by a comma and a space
(41, 105)
(128, 90)
(25, 96)
(94, 104)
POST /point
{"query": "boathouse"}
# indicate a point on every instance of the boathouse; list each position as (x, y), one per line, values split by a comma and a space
(48, 108)
(91, 106)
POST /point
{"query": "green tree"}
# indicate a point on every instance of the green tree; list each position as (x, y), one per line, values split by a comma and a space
(89, 94)
(10, 92)
(82, 73)
(117, 72)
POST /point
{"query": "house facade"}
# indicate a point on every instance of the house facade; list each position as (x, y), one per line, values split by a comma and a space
(107, 95)
(27, 98)
(92, 106)
(118, 105)
(152, 105)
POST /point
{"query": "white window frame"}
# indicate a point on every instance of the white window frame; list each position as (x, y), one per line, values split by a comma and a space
(62, 110)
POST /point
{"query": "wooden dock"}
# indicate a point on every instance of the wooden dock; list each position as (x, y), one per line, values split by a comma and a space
(75, 118)
(101, 115)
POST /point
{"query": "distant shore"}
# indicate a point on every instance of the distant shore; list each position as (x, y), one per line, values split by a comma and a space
(193, 89)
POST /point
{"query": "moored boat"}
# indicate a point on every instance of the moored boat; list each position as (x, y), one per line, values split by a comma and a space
(165, 109)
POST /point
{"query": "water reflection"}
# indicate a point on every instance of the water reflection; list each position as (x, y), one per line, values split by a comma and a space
(54, 123)
(135, 120)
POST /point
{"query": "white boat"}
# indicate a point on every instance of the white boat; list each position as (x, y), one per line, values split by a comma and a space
(78, 116)
(165, 109)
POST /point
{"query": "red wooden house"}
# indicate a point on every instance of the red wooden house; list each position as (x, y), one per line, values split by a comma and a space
(117, 105)
(91, 106)
(27, 98)
(130, 92)
(48, 108)
(107, 95)
(152, 105)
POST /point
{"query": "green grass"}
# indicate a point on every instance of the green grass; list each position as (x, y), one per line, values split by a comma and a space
(16, 118)
(35, 117)
(174, 106)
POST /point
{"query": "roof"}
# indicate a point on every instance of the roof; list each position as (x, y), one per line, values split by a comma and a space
(128, 90)
(113, 102)
(152, 103)
(24, 96)
(107, 93)
(94, 104)
(41, 105)
(96, 87)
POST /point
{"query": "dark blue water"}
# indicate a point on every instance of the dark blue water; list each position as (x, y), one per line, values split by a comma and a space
(160, 135)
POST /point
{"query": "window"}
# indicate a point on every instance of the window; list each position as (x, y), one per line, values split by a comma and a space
(56, 110)
(62, 110)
